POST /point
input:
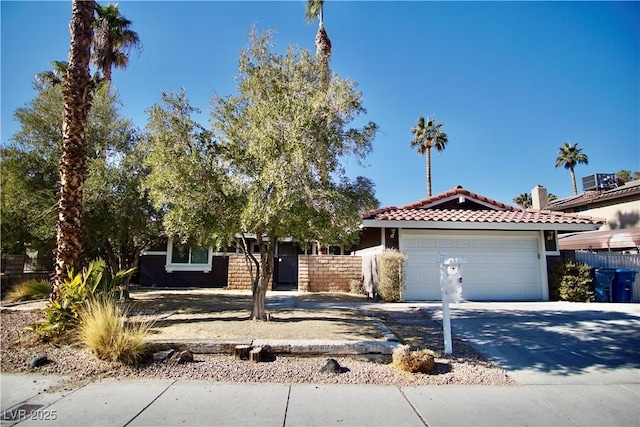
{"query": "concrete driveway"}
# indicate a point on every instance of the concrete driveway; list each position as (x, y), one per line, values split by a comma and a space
(554, 342)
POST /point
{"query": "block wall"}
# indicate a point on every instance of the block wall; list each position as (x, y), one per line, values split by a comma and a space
(328, 273)
(238, 274)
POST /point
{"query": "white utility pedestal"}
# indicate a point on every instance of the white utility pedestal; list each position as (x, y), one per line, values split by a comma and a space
(451, 286)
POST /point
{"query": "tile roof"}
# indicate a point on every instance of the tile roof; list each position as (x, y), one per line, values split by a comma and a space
(589, 197)
(494, 212)
(481, 216)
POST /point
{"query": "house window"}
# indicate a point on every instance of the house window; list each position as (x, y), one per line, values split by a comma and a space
(187, 258)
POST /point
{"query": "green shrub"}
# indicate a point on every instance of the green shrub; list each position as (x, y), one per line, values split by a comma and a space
(63, 312)
(29, 290)
(390, 284)
(103, 329)
(571, 281)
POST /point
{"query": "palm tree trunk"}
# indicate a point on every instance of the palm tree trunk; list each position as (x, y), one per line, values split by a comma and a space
(323, 53)
(428, 172)
(573, 182)
(77, 103)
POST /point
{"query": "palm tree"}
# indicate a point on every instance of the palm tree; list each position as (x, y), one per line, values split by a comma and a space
(569, 156)
(77, 95)
(57, 75)
(315, 9)
(113, 40)
(428, 134)
(523, 200)
(53, 77)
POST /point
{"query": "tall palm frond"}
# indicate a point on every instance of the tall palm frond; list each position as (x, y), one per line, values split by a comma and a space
(53, 77)
(113, 41)
(569, 156)
(428, 134)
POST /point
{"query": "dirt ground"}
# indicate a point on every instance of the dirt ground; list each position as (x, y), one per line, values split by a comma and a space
(215, 314)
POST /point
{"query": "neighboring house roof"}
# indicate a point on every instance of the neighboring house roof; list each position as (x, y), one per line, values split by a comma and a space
(461, 208)
(609, 239)
(598, 198)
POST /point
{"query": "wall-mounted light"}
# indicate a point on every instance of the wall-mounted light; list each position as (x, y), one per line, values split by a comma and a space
(392, 233)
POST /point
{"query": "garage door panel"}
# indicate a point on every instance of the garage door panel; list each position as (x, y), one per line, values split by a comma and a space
(498, 266)
(477, 243)
(445, 243)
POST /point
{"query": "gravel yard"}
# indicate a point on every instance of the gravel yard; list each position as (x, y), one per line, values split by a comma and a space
(411, 326)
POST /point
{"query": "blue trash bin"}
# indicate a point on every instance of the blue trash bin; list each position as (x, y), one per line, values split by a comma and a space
(603, 283)
(623, 285)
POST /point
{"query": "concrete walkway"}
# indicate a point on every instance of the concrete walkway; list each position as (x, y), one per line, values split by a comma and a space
(197, 403)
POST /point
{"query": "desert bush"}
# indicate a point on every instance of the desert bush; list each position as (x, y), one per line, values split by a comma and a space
(29, 290)
(571, 281)
(63, 313)
(355, 287)
(409, 360)
(103, 329)
(390, 284)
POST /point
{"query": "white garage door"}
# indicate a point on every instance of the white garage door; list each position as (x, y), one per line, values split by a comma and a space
(499, 265)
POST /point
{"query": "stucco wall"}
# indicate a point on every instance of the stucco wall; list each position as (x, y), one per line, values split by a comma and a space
(623, 215)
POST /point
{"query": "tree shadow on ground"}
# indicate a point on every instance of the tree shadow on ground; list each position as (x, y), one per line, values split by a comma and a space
(553, 341)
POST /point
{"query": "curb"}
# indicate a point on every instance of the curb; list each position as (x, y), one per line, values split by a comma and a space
(294, 347)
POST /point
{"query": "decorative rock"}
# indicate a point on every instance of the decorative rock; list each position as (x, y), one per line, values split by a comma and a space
(39, 361)
(185, 356)
(161, 356)
(333, 367)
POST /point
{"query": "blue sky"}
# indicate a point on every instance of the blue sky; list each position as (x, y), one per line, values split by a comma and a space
(511, 81)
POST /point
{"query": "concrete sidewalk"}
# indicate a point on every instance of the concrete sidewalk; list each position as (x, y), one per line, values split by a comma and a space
(201, 403)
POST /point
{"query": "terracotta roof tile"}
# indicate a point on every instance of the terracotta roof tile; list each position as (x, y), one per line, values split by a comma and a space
(482, 216)
(493, 212)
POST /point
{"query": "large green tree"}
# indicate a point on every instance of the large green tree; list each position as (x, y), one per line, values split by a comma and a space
(118, 217)
(426, 135)
(187, 175)
(114, 40)
(76, 105)
(627, 175)
(262, 157)
(570, 156)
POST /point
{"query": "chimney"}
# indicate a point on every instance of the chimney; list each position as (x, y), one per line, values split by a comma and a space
(539, 197)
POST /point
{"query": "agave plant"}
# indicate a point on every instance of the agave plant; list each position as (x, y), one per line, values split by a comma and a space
(63, 312)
